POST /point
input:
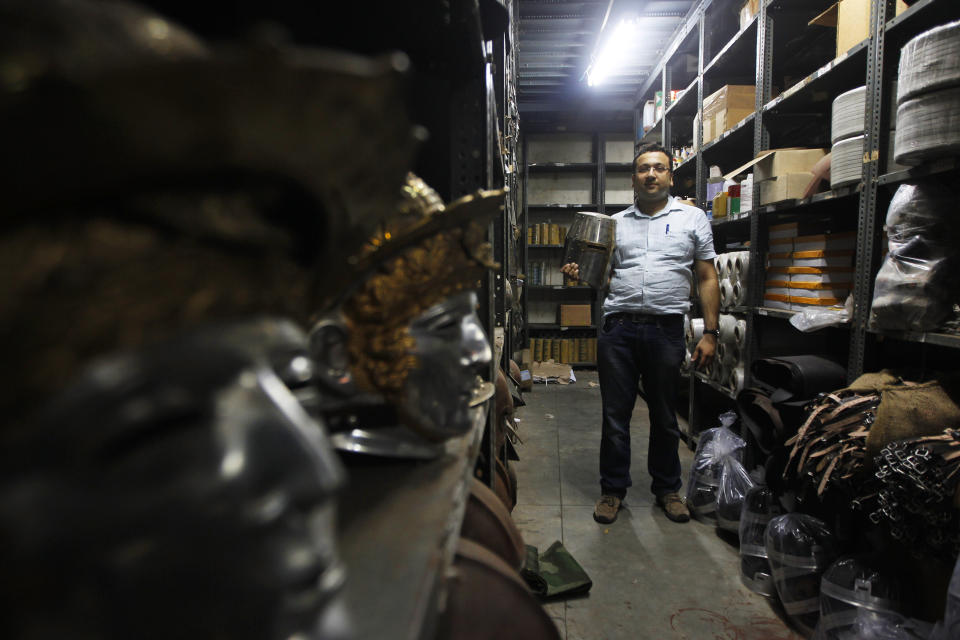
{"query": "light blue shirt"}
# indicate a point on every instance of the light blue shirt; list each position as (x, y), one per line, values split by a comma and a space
(653, 260)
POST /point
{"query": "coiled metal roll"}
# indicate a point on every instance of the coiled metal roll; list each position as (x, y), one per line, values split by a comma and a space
(929, 62)
(929, 127)
(846, 165)
(848, 114)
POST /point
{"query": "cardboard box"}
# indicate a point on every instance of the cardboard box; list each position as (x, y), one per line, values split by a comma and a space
(778, 162)
(526, 378)
(731, 96)
(784, 187)
(729, 118)
(709, 133)
(575, 315)
(851, 18)
(696, 132)
(724, 108)
(748, 11)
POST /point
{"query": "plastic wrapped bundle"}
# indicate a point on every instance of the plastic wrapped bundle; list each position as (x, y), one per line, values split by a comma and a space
(800, 548)
(759, 506)
(714, 445)
(874, 626)
(851, 590)
(949, 627)
(735, 482)
(914, 290)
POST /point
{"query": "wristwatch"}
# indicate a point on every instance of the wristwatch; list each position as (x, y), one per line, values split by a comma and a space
(714, 332)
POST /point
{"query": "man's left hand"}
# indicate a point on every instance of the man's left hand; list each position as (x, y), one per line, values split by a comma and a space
(705, 352)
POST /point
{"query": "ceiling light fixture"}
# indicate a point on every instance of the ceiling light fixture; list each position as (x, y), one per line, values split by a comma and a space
(612, 55)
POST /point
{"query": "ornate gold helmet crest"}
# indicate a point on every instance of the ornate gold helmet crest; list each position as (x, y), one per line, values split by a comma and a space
(425, 254)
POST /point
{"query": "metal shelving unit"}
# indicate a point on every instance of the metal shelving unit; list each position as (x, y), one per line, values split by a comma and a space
(799, 116)
(599, 169)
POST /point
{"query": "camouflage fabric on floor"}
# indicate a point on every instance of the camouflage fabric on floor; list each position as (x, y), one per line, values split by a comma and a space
(554, 573)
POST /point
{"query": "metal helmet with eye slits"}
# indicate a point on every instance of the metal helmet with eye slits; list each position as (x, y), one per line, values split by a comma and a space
(180, 491)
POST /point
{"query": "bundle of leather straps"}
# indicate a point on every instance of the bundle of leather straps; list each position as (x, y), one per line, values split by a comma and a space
(829, 449)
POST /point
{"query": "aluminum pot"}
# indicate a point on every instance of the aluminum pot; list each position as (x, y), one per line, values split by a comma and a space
(590, 243)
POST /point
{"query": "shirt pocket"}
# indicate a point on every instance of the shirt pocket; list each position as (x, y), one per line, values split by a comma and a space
(671, 242)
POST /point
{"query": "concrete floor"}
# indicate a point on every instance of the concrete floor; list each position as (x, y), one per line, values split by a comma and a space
(652, 578)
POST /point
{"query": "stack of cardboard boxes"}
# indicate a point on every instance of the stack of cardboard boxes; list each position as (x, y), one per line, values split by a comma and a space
(808, 270)
(723, 109)
(783, 174)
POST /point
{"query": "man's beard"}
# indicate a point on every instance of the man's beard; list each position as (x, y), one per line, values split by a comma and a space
(645, 196)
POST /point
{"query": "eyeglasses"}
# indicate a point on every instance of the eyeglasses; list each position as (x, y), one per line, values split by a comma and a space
(657, 168)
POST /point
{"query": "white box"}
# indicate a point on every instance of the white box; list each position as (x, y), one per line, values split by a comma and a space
(843, 258)
(841, 278)
(788, 230)
(831, 241)
(776, 301)
(780, 246)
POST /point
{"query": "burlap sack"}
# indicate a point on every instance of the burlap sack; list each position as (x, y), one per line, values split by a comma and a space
(910, 410)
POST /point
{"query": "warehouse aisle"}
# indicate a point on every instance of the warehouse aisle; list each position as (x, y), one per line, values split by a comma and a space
(652, 578)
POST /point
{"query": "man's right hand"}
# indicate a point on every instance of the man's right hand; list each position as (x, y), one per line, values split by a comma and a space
(571, 269)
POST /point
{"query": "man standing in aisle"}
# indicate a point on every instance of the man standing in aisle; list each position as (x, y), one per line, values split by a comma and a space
(659, 243)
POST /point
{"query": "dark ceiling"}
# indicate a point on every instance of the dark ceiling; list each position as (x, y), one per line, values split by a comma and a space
(558, 37)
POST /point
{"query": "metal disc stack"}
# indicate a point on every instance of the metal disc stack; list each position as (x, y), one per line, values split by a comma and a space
(846, 134)
(800, 548)
(846, 165)
(848, 114)
(928, 96)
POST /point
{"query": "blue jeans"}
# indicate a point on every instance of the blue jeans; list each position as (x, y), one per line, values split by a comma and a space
(628, 349)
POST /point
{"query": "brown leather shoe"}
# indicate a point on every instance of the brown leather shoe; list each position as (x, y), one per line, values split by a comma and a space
(606, 510)
(674, 506)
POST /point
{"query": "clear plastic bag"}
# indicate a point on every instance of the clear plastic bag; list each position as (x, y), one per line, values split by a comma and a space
(714, 445)
(891, 626)
(759, 506)
(814, 318)
(914, 288)
(949, 627)
(853, 590)
(735, 482)
(800, 548)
